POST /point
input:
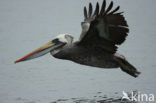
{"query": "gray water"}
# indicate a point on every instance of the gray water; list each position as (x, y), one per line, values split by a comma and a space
(28, 24)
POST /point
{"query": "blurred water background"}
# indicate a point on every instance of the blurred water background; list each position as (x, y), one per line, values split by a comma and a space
(27, 24)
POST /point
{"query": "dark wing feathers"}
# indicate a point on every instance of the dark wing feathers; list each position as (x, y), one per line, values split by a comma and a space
(121, 31)
(96, 12)
(117, 20)
(109, 8)
(85, 12)
(90, 10)
(116, 9)
(104, 29)
(103, 7)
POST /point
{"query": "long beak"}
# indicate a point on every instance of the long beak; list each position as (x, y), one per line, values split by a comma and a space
(41, 51)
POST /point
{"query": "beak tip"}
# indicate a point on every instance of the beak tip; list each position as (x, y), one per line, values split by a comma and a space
(15, 62)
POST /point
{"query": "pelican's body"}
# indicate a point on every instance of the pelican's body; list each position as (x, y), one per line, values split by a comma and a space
(87, 56)
(102, 31)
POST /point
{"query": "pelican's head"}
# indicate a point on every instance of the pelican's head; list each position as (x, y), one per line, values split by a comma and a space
(54, 46)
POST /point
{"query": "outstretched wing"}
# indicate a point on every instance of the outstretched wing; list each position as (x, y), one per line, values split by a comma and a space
(104, 28)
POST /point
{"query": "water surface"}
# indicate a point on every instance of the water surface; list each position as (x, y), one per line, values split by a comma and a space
(27, 24)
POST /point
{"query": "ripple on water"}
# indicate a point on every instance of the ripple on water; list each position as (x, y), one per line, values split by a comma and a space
(98, 98)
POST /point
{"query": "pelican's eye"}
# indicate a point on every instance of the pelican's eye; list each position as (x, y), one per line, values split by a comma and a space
(56, 41)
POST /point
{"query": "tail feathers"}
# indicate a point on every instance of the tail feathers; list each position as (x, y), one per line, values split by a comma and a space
(127, 67)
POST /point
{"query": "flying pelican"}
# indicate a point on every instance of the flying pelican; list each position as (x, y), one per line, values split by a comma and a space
(102, 32)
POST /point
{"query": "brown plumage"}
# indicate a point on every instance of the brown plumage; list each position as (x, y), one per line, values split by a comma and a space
(102, 32)
(109, 26)
(103, 29)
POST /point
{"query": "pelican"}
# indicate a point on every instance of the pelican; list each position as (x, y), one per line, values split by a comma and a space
(102, 31)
